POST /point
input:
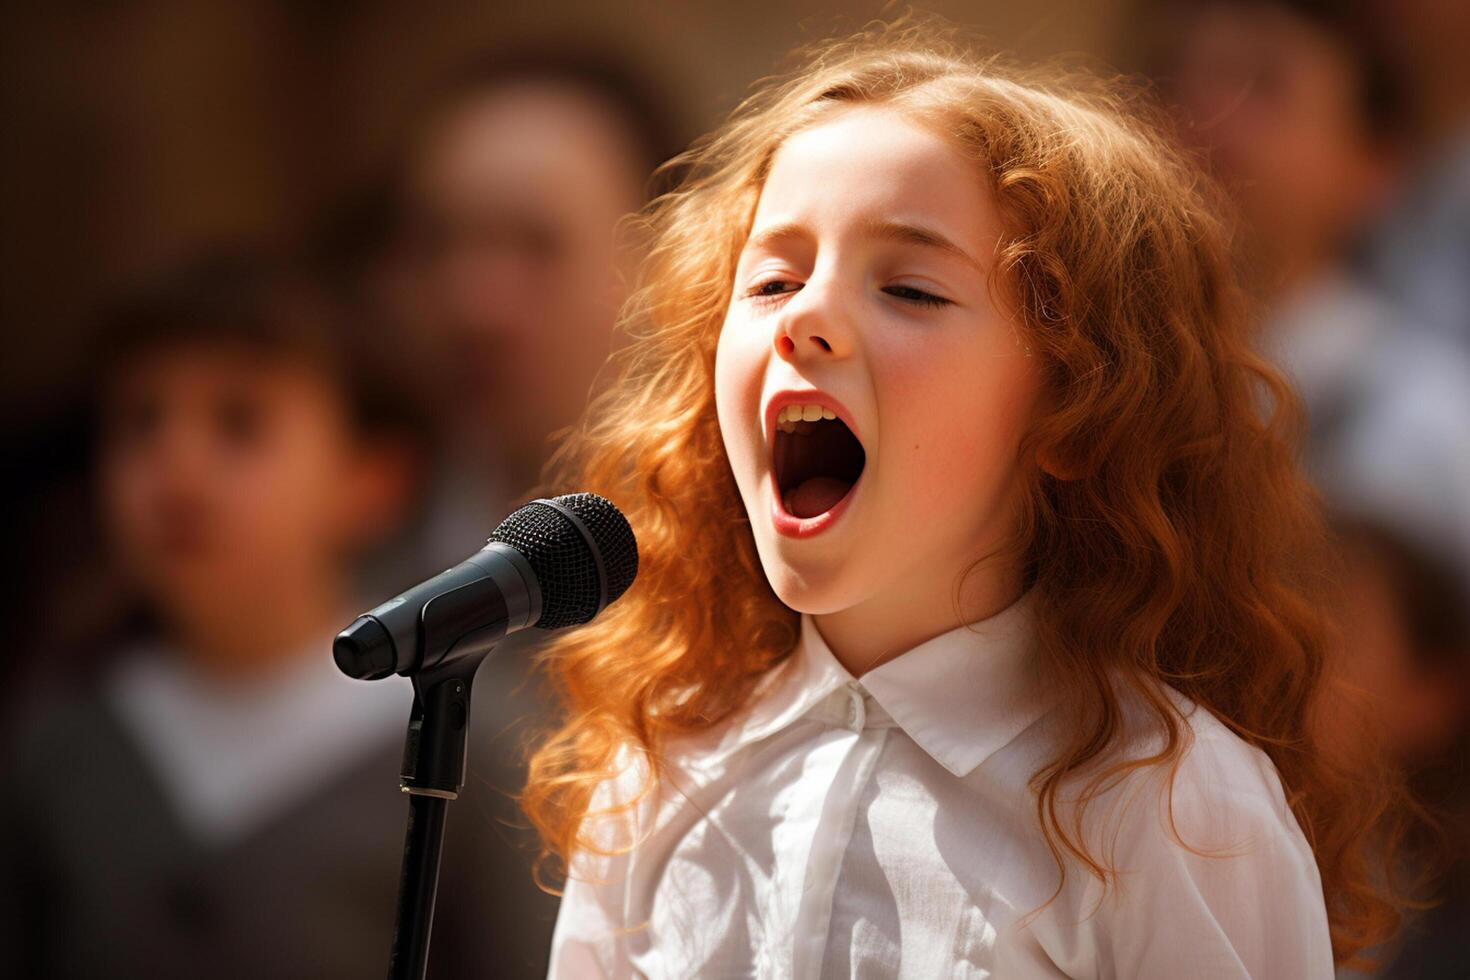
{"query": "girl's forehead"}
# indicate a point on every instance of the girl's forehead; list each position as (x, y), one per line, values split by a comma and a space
(870, 164)
(857, 137)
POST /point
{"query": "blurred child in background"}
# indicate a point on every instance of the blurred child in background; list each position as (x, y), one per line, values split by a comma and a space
(222, 803)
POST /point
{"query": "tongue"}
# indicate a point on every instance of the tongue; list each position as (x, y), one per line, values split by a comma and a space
(816, 495)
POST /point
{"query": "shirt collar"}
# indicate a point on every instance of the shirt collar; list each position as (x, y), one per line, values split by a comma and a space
(961, 696)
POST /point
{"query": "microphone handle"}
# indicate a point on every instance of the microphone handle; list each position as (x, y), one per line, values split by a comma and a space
(460, 612)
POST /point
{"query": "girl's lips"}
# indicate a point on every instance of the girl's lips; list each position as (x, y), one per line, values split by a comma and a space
(792, 526)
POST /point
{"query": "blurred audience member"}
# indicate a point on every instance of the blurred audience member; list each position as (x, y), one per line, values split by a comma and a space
(511, 274)
(1300, 117)
(222, 802)
(1302, 114)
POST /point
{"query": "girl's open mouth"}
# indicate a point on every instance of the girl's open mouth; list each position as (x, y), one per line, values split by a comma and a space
(816, 466)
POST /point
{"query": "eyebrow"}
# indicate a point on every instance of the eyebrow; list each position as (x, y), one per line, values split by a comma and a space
(892, 231)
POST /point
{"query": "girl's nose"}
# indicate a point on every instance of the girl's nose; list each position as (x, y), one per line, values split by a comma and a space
(812, 324)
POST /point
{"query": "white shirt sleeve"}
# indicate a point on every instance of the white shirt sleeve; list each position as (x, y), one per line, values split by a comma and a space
(588, 940)
(1251, 906)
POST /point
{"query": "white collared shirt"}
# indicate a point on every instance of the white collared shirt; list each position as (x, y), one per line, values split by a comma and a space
(886, 828)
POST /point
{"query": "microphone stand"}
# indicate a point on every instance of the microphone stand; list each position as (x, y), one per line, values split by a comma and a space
(450, 623)
(433, 773)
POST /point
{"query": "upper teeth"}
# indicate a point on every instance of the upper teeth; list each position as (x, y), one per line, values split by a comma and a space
(788, 416)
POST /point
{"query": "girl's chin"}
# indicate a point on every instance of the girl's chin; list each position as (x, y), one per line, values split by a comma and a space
(813, 587)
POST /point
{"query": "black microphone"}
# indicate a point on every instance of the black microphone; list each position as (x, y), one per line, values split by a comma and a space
(552, 563)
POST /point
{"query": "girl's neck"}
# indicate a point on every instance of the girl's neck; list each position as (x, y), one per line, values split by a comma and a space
(873, 632)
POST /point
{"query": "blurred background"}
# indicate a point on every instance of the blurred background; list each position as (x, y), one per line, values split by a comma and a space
(295, 295)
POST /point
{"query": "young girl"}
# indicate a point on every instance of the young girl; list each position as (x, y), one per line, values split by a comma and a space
(976, 631)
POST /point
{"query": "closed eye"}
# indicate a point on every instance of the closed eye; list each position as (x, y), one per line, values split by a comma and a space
(772, 289)
(918, 296)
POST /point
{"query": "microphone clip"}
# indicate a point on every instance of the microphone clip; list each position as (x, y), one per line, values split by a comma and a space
(434, 756)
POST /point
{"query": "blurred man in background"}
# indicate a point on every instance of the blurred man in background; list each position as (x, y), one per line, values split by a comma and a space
(510, 271)
(1303, 116)
(221, 802)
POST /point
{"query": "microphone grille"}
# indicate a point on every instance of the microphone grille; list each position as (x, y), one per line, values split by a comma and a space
(582, 550)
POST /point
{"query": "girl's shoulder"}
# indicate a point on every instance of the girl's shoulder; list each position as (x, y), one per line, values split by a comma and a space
(1204, 848)
(1219, 794)
(1203, 831)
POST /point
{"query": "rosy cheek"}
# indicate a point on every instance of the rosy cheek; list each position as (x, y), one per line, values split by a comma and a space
(943, 455)
(738, 376)
(951, 420)
(916, 430)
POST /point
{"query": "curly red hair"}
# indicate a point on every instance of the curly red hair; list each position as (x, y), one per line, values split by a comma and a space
(1180, 544)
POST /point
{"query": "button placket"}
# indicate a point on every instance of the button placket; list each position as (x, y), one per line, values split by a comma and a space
(846, 707)
(857, 714)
